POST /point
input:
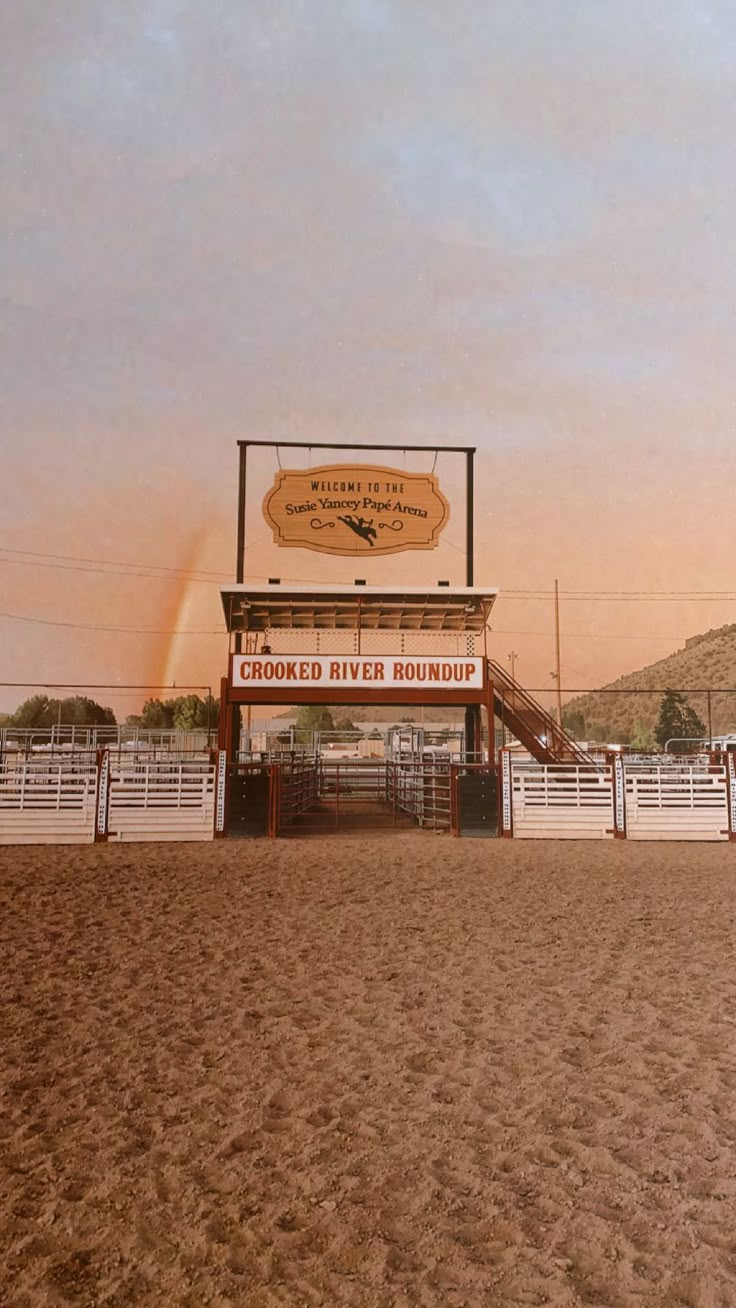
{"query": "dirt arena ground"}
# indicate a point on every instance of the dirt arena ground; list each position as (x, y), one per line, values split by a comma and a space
(393, 1071)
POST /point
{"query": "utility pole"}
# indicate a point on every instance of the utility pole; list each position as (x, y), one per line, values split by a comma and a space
(512, 657)
(558, 681)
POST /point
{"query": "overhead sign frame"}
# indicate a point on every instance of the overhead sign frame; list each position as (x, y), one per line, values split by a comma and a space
(465, 451)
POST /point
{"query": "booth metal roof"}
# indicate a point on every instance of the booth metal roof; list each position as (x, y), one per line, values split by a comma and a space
(330, 608)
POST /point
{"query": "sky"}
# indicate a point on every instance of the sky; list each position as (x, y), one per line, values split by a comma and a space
(502, 223)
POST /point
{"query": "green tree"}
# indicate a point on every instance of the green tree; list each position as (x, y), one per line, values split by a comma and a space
(619, 736)
(574, 722)
(314, 717)
(642, 738)
(84, 712)
(157, 716)
(37, 711)
(42, 711)
(345, 723)
(185, 713)
(679, 723)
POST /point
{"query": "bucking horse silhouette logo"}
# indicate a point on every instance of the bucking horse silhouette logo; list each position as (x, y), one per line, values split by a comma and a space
(362, 527)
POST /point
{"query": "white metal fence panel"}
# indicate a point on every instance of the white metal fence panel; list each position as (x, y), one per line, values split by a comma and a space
(561, 801)
(676, 802)
(162, 801)
(47, 801)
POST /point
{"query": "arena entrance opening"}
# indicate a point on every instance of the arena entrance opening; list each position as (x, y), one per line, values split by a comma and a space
(346, 646)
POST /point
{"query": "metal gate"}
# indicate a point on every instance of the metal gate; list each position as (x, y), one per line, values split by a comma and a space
(327, 794)
(252, 799)
(474, 799)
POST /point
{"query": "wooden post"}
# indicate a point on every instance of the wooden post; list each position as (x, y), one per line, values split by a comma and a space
(558, 674)
(710, 724)
(454, 801)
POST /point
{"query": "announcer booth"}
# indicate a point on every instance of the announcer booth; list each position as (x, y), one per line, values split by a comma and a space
(346, 646)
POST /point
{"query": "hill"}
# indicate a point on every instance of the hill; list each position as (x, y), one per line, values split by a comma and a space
(707, 661)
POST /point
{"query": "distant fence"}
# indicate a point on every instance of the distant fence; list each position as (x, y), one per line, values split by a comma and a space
(54, 741)
(677, 799)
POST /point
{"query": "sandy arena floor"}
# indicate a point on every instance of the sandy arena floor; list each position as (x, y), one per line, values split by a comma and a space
(404, 1070)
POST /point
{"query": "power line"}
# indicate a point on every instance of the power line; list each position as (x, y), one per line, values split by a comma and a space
(99, 685)
(583, 635)
(110, 571)
(114, 563)
(37, 559)
(208, 631)
(576, 672)
(88, 626)
(648, 597)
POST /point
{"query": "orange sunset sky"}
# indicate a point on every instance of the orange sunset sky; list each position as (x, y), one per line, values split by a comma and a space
(490, 223)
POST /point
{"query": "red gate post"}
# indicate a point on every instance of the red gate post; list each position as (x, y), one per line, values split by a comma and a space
(274, 787)
(337, 794)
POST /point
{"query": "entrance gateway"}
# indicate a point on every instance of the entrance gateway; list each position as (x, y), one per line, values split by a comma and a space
(372, 646)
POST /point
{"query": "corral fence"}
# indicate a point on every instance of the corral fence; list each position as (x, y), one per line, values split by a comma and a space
(49, 800)
(84, 797)
(637, 799)
(318, 793)
(109, 795)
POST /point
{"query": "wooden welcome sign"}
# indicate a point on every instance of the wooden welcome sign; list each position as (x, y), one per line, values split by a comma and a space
(356, 509)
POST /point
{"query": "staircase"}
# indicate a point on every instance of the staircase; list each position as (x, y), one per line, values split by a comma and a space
(530, 723)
